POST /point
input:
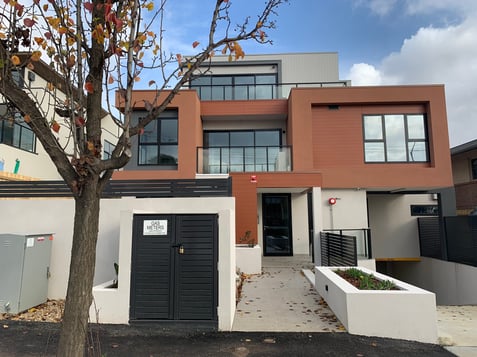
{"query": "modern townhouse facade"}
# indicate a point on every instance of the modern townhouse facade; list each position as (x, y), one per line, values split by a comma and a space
(306, 155)
(306, 152)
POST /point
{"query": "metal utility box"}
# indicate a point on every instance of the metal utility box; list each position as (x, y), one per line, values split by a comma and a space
(24, 271)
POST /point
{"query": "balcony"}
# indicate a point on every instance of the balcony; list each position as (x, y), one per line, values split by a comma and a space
(255, 91)
(222, 160)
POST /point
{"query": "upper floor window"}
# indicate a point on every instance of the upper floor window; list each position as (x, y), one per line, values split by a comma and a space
(17, 133)
(244, 151)
(239, 138)
(395, 138)
(474, 169)
(236, 87)
(158, 145)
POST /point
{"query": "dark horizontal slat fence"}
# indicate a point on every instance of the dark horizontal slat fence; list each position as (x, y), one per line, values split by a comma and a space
(338, 250)
(123, 188)
(452, 238)
(430, 237)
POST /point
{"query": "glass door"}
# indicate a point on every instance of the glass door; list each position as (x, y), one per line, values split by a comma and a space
(277, 233)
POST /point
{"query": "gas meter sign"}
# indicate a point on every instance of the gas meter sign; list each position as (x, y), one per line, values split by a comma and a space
(155, 227)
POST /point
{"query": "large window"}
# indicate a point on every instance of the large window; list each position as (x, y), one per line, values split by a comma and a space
(242, 150)
(395, 138)
(159, 142)
(236, 87)
(17, 133)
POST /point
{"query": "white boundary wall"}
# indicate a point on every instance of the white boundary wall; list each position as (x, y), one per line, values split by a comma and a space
(114, 243)
(453, 283)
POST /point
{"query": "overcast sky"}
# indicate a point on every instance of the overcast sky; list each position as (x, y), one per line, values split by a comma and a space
(379, 42)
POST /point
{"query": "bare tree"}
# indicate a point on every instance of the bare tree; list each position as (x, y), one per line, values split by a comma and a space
(99, 47)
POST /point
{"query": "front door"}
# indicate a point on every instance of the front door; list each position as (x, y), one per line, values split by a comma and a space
(174, 267)
(277, 232)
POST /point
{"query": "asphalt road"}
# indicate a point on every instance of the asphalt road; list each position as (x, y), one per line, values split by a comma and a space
(21, 339)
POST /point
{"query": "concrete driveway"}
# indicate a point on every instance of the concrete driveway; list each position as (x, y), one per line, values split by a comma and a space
(281, 299)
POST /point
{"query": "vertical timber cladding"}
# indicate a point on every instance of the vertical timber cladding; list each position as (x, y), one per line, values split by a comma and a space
(174, 267)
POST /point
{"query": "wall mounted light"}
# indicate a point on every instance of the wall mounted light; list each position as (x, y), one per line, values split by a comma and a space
(332, 201)
(253, 178)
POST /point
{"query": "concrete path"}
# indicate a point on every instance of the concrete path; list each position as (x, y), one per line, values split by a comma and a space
(457, 329)
(282, 299)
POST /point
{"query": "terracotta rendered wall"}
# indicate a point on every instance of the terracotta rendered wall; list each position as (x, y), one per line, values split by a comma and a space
(331, 141)
(190, 136)
(236, 109)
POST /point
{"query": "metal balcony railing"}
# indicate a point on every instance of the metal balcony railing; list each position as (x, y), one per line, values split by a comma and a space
(256, 91)
(222, 160)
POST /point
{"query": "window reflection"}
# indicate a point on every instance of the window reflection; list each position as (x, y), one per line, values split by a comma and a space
(395, 138)
(158, 145)
(17, 133)
(404, 139)
(373, 127)
(236, 87)
(244, 151)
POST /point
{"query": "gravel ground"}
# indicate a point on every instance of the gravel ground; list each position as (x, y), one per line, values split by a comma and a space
(50, 311)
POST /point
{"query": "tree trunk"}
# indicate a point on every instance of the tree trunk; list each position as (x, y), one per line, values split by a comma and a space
(83, 257)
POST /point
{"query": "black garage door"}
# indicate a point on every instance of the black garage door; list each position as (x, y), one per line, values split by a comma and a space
(174, 267)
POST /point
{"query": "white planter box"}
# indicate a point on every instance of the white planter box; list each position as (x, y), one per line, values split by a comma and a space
(409, 313)
(249, 259)
(110, 305)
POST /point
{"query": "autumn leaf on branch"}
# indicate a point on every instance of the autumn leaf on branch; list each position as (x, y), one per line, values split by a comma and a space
(15, 60)
(89, 87)
(55, 126)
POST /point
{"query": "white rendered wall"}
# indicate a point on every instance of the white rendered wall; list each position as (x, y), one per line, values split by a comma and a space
(349, 212)
(56, 215)
(317, 197)
(453, 283)
(37, 164)
(295, 67)
(300, 232)
(394, 232)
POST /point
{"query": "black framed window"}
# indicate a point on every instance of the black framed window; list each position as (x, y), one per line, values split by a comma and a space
(15, 132)
(158, 145)
(240, 138)
(474, 168)
(236, 87)
(242, 150)
(395, 138)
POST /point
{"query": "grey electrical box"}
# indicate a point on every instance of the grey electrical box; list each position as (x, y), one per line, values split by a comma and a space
(24, 271)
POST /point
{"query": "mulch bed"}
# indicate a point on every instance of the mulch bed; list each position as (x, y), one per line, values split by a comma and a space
(50, 311)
